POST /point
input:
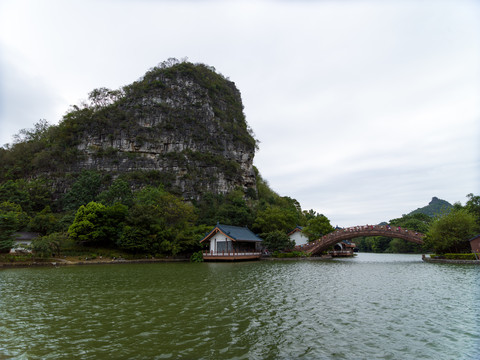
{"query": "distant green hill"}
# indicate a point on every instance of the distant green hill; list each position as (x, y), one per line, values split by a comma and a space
(435, 207)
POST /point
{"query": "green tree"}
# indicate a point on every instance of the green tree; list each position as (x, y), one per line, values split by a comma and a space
(275, 218)
(207, 209)
(98, 225)
(416, 222)
(136, 240)
(12, 191)
(44, 222)
(379, 244)
(419, 222)
(473, 206)
(309, 215)
(8, 226)
(21, 217)
(26, 153)
(317, 227)
(85, 226)
(103, 97)
(64, 221)
(190, 236)
(83, 191)
(450, 233)
(39, 193)
(118, 192)
(47, 246)
(234, 210)
(364, 244)
(157, 222)
(265, 194)
(277, 241)
(37, 133)
(400, 246)
(12, 219)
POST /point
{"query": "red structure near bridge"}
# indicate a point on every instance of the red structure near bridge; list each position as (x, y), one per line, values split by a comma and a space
(326, 241)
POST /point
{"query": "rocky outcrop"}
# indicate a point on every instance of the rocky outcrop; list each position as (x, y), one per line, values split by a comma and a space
(184, 122)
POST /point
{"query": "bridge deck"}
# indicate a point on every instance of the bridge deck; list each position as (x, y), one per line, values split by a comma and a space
(230, 256)
(358, 231)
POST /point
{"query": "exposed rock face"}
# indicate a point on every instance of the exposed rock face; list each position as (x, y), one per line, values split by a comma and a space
(184, 121)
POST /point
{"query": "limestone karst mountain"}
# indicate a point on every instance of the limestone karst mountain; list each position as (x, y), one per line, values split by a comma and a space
(181, 124)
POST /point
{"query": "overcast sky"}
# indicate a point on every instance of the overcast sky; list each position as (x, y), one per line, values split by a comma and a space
(365, 109)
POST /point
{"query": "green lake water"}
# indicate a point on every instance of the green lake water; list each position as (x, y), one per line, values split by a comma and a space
(375, 306)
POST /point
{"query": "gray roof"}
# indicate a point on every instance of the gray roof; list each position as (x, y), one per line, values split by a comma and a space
(298, 228)
(21, 236)
(237, 233)
(475, 237)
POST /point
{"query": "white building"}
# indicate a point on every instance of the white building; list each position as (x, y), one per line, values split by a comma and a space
(298, 236)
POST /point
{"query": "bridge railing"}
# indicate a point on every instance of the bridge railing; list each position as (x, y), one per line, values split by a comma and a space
(340, 252)
(231, 253)
(361, 230)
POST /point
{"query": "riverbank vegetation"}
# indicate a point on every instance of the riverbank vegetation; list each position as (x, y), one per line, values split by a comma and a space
(92, 219)
(461, 256)
(381, 244)
(451, 232)
(128, 219)
(111, 175)
(447, 231)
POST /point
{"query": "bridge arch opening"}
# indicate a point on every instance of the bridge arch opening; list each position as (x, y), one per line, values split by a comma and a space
(338, 247)
(339, 235)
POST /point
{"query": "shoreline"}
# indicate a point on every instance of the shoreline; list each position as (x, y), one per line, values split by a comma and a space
(54, 262)
(303, 258)
(450, 261)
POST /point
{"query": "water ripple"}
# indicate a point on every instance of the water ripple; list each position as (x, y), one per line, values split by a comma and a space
(371, 307)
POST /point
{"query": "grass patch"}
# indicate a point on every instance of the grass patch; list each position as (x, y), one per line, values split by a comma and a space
(13, 258)
(467, 256)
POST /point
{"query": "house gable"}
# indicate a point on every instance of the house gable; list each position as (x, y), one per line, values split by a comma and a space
(233, 233)
(232, 240)
(475, 244)
(298, 236)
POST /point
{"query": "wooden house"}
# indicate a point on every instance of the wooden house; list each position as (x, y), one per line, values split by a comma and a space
(230, 243)
(475, 244)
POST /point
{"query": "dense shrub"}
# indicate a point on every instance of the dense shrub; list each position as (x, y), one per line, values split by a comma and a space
(467, 256)
(197, 257)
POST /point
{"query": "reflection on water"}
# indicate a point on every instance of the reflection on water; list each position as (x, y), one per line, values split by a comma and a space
(375, 306)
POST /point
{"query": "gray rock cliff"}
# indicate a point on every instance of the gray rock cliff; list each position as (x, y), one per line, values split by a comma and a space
(183, 121)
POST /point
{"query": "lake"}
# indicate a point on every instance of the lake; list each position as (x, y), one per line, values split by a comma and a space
(375, 306)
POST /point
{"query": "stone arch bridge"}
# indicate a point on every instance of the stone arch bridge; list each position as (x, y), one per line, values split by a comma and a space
(338, 235)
